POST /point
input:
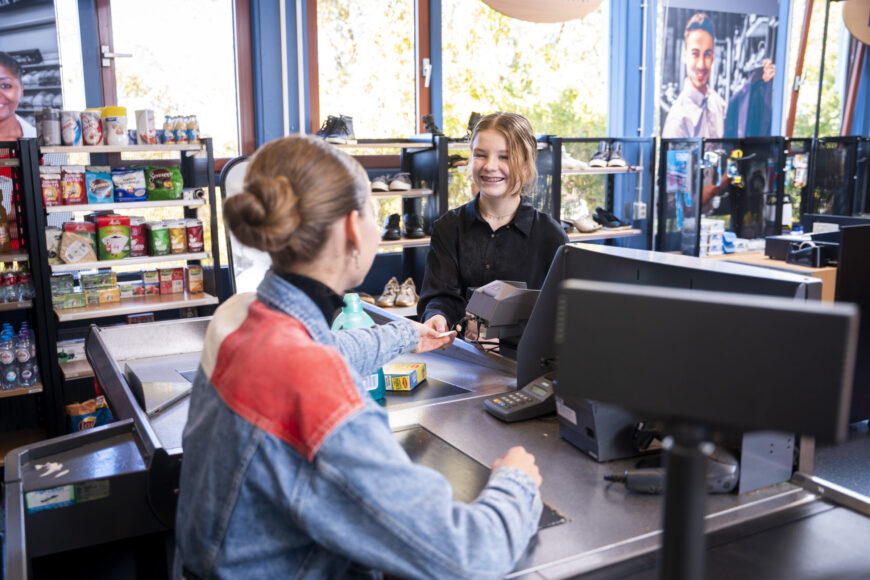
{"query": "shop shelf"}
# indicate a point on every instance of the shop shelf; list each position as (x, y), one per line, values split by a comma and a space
(20, 305)
(405, 243)
(10, 162)
(384, 144)
(119, 148)
(37, 388)
(55, 268)
(136, 305)
(604, 170)
(14, 257)
(127, 205)
(406, 194)
(604, 234)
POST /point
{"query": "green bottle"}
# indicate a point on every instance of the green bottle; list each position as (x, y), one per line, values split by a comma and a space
(353, 316)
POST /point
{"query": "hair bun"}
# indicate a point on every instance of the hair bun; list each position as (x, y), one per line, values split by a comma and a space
(265, 214)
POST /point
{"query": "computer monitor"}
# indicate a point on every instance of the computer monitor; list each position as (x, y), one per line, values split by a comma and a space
(853, 285)
(812, 222)
(727, 360)
(537, 353)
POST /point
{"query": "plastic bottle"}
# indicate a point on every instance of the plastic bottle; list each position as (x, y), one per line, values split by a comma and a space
(168, 130)
(353, 316)
(8, 365)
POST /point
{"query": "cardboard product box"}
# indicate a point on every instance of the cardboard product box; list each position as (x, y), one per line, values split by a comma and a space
(75, 300)
(139, 318)
(131, 290)
(57, 301)
(96, 280)
(171, 281)
(113, 235)
(193, 279)
(62, 284)
(87, 229)
(404, 376)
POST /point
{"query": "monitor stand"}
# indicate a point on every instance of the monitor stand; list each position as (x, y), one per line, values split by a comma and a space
(686, 451)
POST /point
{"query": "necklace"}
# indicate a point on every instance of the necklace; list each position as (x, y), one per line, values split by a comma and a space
(496, 217)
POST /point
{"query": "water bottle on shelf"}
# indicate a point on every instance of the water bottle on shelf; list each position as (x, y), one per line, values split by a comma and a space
(26, 291)
(24, 358)
(353, 316)
(8, 364)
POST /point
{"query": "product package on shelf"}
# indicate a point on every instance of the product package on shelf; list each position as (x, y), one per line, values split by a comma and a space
(163, 183)
(49, 178)
(171, 280)
(193, 279)
(113, 236)
(72, 184)
(78, 243)
(98, 180)
(151, 282)
(129, 184)
(18, 357)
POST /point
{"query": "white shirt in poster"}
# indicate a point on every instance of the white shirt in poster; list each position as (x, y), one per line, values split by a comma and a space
(695, 114)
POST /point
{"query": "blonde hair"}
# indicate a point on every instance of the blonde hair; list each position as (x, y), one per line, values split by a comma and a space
(295, 188)
(521, 144)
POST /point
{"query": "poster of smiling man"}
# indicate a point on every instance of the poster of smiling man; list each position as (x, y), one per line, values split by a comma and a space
(718, 65)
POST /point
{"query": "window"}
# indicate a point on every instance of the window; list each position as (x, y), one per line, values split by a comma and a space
(178, 68)
(365, 60)
(555, 74)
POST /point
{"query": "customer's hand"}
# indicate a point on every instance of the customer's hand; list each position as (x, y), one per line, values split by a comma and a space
(521, 459)
(437, 323)
(431, 339)
(768, 71)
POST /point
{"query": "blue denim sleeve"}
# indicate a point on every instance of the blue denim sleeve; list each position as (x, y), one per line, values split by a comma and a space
(368, 349)
(370, 503)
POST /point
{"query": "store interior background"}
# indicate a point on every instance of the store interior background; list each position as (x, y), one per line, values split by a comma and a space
(253, 71)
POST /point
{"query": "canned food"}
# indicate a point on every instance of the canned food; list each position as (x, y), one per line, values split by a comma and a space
(92, 128)
(71, 128)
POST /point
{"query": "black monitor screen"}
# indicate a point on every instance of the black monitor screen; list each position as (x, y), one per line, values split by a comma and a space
(726, 360)
(853, 285)
(536, 354)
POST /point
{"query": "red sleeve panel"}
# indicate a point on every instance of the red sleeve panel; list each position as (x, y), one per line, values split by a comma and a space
(271, 372)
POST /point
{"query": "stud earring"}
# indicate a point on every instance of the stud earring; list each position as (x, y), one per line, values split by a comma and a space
(355, 254)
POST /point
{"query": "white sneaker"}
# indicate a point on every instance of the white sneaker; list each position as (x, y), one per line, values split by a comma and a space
(571, 164)
(379, 183)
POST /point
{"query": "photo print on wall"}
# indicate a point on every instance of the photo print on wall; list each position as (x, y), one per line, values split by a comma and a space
(718, 66)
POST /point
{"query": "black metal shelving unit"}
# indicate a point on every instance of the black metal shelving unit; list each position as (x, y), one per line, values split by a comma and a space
(198, 172)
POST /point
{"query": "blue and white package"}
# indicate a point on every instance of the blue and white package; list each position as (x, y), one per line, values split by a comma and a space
(129, 184)
(98, 183)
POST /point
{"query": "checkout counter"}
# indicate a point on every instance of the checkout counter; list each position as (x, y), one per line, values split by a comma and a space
(118, 483)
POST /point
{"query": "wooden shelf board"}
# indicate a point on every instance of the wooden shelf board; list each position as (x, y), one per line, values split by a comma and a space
(14, 439)
(604, 234)
(119, 148)
(408, 193)
(122, 205)
(135, 306)
(405, 243)
(20, 305)
(128, 261)
(603, 170)
(14, 257)
(37, 388)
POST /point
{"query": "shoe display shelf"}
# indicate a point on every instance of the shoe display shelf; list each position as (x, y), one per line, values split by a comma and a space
(24, 410)
(622, 185)
(739, 183)
(196, 162)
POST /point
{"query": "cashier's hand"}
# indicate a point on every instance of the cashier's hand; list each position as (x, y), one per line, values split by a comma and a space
(521, 459)
(431, 339)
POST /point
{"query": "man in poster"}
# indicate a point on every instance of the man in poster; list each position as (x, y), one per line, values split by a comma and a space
(699, 111)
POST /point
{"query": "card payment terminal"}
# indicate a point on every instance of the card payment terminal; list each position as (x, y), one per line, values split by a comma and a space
(533, 400)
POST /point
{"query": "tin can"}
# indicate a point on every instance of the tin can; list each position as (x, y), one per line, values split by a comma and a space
(138, 237)
(195, 241)
(48, 127)
(92, 128)
(177, 237)
(115, 126)
(71, 128)
(158, 238)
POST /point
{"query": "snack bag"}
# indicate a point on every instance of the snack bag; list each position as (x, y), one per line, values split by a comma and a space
(72, 184)
(49, 178)
(92, 413)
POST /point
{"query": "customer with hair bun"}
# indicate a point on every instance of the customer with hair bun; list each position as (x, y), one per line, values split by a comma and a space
(290, 468)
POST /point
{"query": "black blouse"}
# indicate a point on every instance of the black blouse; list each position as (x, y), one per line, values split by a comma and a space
(466, 253)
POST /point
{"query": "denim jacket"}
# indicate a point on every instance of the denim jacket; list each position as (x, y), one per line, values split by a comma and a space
(291, 470)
